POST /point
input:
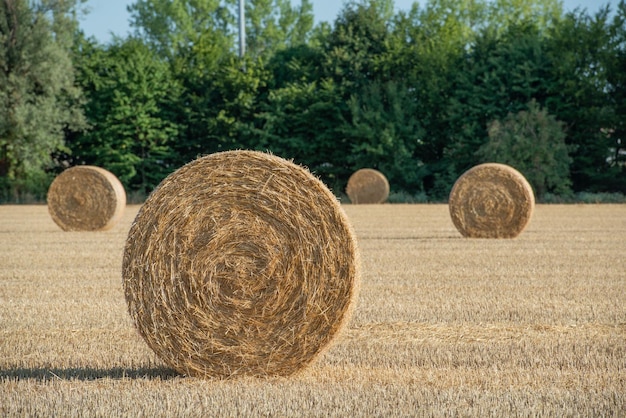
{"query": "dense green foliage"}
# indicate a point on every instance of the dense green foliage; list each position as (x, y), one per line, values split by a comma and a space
(131, 111)
(421, 95)
(39, 101)
(533, 142)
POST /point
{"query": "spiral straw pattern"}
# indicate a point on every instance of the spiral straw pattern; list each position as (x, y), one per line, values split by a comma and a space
(367, 186)
(86, 198)
(240, 263)
(491, 200)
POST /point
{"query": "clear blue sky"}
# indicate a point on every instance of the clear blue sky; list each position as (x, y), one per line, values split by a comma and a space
(110, 16)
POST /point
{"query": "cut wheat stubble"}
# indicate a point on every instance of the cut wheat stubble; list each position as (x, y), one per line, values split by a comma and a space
(491, 200)
(86, 198)
(367, 186)
(240, 263)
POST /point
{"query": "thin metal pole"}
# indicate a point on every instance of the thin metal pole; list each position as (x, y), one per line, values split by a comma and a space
(242, 29)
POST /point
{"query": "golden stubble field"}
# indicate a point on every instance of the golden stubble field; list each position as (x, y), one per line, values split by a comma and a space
(444, 326)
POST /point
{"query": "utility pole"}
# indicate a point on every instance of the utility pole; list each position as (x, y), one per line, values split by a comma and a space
(242, 29)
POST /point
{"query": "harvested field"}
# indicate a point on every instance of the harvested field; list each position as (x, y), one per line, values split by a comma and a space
(531, 326)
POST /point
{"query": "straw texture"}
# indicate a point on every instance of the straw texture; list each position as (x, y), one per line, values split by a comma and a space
(367, 186)
(86, 198)
(491, 201)
(240, 263)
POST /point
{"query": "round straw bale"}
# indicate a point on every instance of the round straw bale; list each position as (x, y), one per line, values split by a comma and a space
(491, 201)
(86, 198)
(240, 263)
(367, 186)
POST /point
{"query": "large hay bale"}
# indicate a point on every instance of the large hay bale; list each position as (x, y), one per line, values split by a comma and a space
(240, 263)
(86, 198)
(367, 186)
(491, 201)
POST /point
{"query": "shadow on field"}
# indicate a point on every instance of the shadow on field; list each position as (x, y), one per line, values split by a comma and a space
(42, 374)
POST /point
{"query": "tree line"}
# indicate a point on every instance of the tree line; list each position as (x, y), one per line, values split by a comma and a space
(421, 95)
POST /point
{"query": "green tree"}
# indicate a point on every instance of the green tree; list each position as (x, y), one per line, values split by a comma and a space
(303, 121)
(272, 25)
(218, 108)
(302, 115)
(132, 97)
(615, 178)
(220, 93)
(353, 82)
(533, 142)
(448, 52)
(385, 133)
(300, 63)
(500, 75)
(504, 13)
(587, 92)
(172, 27)
(39, 100)
(425, 53)
(358, 41)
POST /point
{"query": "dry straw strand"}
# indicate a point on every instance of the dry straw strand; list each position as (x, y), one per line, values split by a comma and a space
(367, 186)
(240, 263)
(86, 198)
(491, 200)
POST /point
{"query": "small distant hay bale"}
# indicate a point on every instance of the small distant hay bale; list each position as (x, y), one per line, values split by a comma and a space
(491, 201)
(240, 263)
(86, 198)
(367, 186)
